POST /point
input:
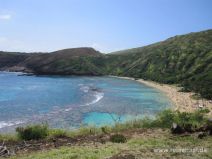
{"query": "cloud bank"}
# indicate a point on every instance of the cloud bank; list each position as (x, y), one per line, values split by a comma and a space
(5, 16)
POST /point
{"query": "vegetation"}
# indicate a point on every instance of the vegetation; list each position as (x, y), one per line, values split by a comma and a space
(184, 60)
(144, 145)
(32, 132)
(118, 138)
(8, 137)
(188, 121)
(141, 138)
(74, 152)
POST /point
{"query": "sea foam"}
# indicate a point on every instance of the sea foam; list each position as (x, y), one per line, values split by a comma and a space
(98, 96)
(95, 92)
(4, 124)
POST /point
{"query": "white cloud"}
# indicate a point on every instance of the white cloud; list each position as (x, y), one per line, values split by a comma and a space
(5, 16)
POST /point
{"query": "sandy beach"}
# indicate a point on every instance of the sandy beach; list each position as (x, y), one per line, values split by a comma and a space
(183, 101)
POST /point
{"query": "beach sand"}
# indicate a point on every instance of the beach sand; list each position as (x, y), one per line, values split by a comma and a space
(183, 101)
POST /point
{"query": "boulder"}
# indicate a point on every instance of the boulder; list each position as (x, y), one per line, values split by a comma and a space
(176, 129)
(209, 126)
(202, 135)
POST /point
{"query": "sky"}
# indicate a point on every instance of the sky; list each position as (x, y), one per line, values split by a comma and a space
(106, 25)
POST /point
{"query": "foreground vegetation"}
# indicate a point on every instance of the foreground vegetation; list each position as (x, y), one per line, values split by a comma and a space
(154, 138)
(145, 145)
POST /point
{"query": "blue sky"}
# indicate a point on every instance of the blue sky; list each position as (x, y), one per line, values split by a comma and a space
(106, 25)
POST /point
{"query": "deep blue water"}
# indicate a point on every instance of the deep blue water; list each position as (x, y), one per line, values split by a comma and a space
(69, 101)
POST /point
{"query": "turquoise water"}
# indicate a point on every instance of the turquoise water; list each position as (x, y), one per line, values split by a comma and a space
(99, 119)
(69, 101)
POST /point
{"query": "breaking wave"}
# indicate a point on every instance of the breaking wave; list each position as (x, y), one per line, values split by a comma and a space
(98, 97)
(93, 92)
(4, 124)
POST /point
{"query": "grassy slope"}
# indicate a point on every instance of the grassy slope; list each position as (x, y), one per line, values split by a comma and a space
(140, 145)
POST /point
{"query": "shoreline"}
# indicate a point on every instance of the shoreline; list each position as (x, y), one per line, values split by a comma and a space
(183, 101)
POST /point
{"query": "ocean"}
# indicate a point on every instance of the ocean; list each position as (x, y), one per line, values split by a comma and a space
(70, 101)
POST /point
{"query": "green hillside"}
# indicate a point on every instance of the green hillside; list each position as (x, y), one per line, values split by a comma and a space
(186, 60)
(73, 61)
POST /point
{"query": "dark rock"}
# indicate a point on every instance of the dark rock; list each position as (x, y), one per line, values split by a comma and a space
(209, 126)
(176, 129)
(202, 135)
(95, 89)
(188, 128)
(210, 132)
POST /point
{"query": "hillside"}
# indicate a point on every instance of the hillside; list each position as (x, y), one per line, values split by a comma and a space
(184, 60)
(67, 62)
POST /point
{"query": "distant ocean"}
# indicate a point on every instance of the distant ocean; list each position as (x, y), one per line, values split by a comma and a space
(70, 101)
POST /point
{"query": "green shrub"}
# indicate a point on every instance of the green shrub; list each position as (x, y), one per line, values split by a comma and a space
(191, 121)
(147, 123)
(105, 129)
(165, 119)
(204, 111)
(33, 132)
(85, 130)
(57, 133)
(188, 121)
(118, 138)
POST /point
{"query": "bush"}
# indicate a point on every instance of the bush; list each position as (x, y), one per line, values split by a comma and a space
(191, 121)
(105, 129)
(57, 133)
(165, 119)
(118, 138)
(33, 132)
(188, 121)
(148, 123)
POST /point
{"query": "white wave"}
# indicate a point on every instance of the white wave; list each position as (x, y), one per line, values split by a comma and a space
(85, 89)
(91, 90)
(98, 96)
(9, 123)
(68, 109)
